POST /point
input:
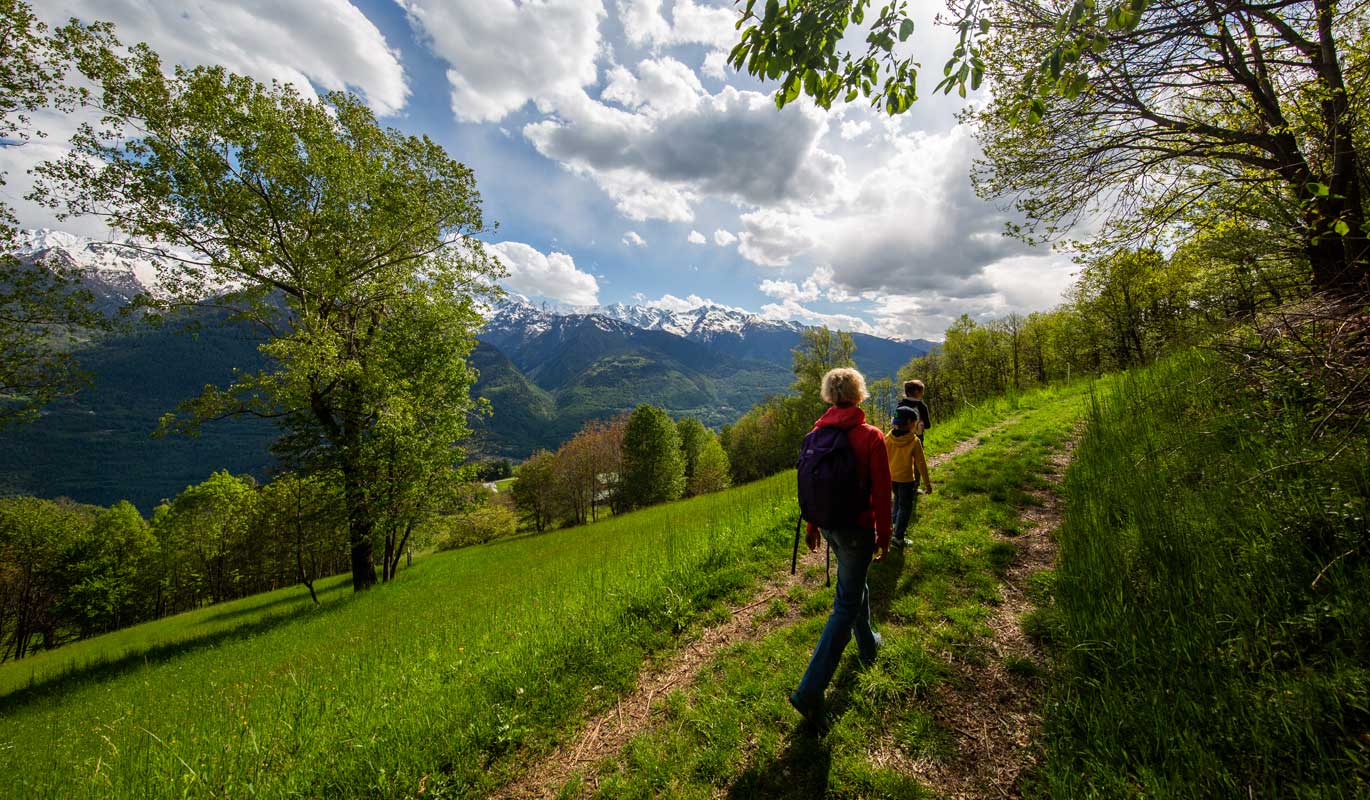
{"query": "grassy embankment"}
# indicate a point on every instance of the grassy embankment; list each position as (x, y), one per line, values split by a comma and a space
(443, 679)
(733, 734)
(1212, 602)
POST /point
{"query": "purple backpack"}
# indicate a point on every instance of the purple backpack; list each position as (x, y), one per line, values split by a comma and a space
(831, 493)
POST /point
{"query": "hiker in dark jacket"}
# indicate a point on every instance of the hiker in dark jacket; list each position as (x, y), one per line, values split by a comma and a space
(854, 546)
(912, 402)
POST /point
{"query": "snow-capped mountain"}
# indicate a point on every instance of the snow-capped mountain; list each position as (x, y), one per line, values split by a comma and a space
(111, 270)
(731, 331)
(702, 324)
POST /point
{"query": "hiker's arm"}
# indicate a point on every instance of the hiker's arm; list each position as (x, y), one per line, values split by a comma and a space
(920, 466)
(880, 494)
(812, 537)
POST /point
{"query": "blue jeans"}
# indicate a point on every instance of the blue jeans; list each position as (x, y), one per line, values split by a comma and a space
(851, 613)
(905, 507)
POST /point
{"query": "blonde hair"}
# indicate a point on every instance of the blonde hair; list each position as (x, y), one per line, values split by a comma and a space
(843, 385)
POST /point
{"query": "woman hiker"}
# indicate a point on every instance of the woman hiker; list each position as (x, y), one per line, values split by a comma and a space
(861, 455)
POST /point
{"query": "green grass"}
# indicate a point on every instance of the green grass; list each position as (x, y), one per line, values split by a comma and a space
(1212, 603)
(469, 664)
(441, 676)
(98, 658)
(733, 734)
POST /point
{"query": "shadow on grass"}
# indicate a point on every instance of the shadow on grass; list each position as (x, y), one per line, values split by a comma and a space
(800, 771)
(102, 669)
(302, 597)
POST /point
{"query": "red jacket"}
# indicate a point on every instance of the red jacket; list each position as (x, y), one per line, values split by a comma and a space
(869, 445)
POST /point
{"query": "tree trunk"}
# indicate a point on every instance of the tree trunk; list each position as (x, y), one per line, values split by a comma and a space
(360, 529)
(1340, 263)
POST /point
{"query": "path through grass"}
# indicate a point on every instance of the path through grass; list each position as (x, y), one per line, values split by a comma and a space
(446, 680)
(732, 733)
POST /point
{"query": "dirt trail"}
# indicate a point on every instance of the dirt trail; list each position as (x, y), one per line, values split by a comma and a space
(992, 712)
(610, 731)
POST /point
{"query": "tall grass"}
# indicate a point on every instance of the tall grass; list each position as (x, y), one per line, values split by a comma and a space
(468, 663)
(436, 678)
(1212, 602)
(731, 733)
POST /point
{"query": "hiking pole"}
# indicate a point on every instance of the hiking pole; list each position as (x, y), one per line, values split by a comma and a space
(827, 561)
(794, 559)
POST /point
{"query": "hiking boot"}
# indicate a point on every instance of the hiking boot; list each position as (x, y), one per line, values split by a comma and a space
(867, 663)
(900, 542)
(819, 719)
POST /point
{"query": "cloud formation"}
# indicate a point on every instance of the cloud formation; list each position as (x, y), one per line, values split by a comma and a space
(645, 24)
(696, 237)
(505, 54)
(670, 302)
(553, 276)
(632, 239)
(261, 38)
(666, 148)
(792, 310)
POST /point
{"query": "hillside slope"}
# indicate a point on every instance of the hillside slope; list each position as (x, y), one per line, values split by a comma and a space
(414, 684)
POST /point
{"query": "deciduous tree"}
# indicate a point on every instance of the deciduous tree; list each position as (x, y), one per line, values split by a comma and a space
(712, 471)
(653, 468)
(533, 489)
(1248, 104)
(348, 245)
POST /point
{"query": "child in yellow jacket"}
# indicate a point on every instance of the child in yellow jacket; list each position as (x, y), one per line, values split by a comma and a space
(908, 467)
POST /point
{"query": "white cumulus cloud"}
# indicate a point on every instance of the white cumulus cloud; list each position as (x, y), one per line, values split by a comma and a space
(724, 238)
(645, 24)
(851, 129)
(696, 237)
(793, 310)
(504, 54)
(550, 275)
(670, 302)
(662, 151)
(329, 43)
(632, 239)
(716, 64)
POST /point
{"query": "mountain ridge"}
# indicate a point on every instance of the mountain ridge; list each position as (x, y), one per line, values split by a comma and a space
(546, 372)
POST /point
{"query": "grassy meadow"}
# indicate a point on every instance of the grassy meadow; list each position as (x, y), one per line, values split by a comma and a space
(468, 662)
(464, 658)
(1212, 601)
(733, 734)
(1204, 639)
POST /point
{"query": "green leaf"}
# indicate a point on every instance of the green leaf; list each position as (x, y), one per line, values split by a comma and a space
(905, 30)
(1341, 228)
(984, 25)
(1318, 189)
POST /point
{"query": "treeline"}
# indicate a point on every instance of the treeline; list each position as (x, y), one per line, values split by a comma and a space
(70, 571)
(1125, 309)
(632, 461)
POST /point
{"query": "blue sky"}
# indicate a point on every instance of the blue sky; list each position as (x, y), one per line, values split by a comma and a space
(625, 163)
